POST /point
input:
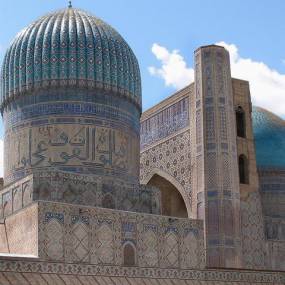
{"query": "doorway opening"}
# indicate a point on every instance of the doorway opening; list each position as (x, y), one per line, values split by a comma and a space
(172, 202)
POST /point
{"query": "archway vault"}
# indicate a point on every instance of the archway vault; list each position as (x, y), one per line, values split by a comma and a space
(173, 196)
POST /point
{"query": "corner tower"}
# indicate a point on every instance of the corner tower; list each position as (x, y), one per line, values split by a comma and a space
(252, 225)
(214, 157)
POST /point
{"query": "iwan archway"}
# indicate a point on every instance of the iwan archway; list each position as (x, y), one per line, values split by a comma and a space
(172, 202)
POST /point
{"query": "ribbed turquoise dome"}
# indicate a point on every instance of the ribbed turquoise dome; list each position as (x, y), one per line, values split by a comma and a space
(69, 48)
(269, 135)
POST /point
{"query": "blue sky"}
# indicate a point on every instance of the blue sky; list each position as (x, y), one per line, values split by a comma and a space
(164, 35)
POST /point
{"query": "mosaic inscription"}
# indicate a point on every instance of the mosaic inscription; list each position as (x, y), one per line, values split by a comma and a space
(67, 146)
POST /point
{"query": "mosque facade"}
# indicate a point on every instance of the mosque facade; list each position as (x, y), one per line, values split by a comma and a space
(191, 191)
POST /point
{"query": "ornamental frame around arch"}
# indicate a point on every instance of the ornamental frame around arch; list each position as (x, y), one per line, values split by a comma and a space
(174, 182)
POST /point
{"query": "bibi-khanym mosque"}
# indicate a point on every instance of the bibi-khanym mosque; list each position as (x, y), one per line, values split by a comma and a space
(192, 191)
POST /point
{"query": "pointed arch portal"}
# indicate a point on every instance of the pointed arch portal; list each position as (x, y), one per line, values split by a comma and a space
(172, 202)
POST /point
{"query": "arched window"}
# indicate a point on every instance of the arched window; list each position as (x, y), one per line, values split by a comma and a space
(243, 169)
(129, 255)
(240, 121)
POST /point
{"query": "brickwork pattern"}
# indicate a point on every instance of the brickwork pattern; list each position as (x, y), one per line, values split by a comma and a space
(253, 242)
(214, 157)
(171, 157)
(79, 189)
(25, 272)
(72, 233)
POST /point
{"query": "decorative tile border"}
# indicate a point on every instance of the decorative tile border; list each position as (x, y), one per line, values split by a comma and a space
(29, 266)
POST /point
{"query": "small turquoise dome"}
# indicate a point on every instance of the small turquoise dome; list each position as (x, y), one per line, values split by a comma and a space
(269, 136)
(69, 48)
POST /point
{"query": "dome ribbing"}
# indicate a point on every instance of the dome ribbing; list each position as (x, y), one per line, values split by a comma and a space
(69, 48)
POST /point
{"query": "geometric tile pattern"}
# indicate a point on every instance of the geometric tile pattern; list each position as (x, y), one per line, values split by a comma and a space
(217, 177)
(171, 250)
(79, 189)
(253, 241)
(100, 237)
(54, 240)
(172, 157)
(86, 52)
(276, 254)
(105, 244)
(190, 255)
(26, 272)
(151, 248)
(80, 242)
(164, 123)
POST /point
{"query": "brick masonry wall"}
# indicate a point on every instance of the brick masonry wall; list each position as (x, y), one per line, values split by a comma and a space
(78, 189)
(72, 233)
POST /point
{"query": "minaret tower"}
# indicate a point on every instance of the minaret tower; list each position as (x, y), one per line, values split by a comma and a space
(214, 156)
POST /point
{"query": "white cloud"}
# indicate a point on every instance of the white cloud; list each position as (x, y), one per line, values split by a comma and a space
(174, 70)
(1, 157)
(266, 84)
